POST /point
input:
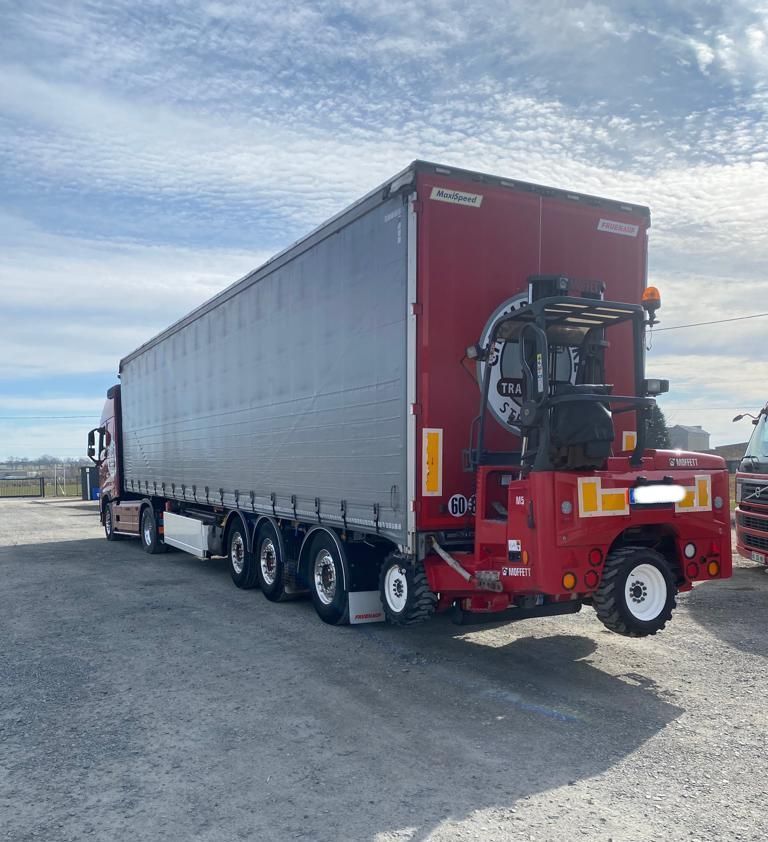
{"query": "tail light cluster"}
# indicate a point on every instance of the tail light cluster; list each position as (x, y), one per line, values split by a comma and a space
(709, 563)
(591, 577)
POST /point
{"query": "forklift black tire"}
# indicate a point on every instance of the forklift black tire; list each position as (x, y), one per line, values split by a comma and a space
(327, 581)
(405, 593)
(636, 595)
(270, 564)
(148, 534)
(242, 565)
(109, 524)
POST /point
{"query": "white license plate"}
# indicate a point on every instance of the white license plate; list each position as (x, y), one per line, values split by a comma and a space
(759, 557)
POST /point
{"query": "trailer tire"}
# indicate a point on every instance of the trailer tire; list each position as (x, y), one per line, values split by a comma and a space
(327, 581)
(405, 592)
(270, 564)
(636, 595)
(242, 566)
(109, 523)
(148, 534)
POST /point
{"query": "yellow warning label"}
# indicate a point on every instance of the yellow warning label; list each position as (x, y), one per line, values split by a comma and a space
(596, 501)
(628, 440)
(699, 497)
(589, 500)
(432, 456)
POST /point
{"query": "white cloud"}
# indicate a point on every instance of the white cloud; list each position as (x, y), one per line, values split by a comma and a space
(80, 305)
(66, 439)
(24, 404)
(268, 119)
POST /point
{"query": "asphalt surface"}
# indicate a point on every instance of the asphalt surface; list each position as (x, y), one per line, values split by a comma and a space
(146, 698)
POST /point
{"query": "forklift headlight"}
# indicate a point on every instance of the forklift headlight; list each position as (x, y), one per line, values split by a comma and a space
(690, 550)
(656, 387)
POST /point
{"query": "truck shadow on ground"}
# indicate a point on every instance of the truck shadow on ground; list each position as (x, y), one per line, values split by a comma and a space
(333, 733)
(735, 610)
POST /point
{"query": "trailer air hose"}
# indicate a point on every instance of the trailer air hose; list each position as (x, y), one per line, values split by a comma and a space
(451, 561)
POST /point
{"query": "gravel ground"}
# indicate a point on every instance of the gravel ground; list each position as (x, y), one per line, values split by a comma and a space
(146, 698)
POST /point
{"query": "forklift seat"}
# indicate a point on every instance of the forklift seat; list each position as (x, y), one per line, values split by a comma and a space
(581, 431)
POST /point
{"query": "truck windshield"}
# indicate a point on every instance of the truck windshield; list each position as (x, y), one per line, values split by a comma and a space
(758, 444)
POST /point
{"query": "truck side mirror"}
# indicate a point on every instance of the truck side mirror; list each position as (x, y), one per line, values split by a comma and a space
(93, 453)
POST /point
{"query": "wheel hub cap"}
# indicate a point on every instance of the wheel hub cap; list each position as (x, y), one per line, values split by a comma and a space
(268, 561)
(646, 592)
(396, 588)
(325, 577)
(238, 554)
(147, 531)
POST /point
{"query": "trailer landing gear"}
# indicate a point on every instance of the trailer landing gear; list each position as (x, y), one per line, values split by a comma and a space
(637, 593)
(405, 592)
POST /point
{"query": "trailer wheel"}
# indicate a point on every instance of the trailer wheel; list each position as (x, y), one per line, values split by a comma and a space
(405, 592)
(636, 595)
(150, 539)
(242, 568)
(109, 524)
(270, 564)
(327, 582)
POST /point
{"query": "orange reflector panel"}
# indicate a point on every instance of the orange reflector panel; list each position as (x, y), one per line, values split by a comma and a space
(713, 568)
(569, 581)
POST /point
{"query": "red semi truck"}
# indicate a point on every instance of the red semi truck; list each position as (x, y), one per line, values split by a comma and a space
(752, 492)
(435, 401)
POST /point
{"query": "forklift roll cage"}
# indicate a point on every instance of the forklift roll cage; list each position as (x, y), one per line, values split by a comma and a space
(579, 323)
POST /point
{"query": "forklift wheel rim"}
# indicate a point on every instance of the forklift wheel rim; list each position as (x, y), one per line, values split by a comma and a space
(645, 592)
(396, 588)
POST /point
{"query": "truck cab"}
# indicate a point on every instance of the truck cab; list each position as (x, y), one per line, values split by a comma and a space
(752, 492)
(104, 450)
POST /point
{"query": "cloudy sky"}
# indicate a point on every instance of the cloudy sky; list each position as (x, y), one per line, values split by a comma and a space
(152, 152)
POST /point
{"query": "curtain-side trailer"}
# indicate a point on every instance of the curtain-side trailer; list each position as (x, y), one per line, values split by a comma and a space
(435, 400)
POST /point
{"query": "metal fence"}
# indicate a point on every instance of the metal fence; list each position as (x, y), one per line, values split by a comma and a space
(23, 487)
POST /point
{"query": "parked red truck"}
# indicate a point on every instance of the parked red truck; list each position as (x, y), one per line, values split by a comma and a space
(435, 401)
(752, 492)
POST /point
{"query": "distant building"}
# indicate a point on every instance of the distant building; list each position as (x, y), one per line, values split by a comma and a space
(689, 438)
(732, 453)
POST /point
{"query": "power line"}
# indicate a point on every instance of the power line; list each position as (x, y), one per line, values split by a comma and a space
(43, 417)
(715, 322)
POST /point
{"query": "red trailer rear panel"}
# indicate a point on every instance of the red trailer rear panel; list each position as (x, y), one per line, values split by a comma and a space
(479, 240)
